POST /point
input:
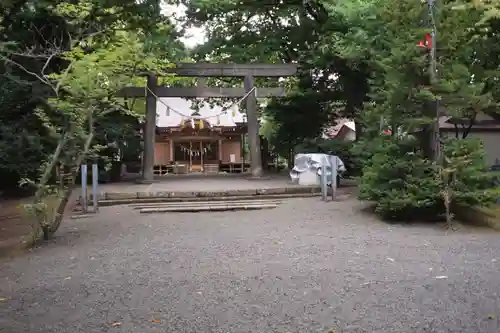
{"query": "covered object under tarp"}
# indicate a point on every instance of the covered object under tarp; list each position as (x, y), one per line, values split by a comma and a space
(307, 168)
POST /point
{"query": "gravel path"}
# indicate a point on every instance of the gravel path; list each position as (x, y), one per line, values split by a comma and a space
(306, 266)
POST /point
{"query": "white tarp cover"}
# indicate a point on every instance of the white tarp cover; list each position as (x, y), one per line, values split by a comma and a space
(312, 163)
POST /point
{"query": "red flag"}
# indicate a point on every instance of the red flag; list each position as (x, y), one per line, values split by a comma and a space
(427, 42)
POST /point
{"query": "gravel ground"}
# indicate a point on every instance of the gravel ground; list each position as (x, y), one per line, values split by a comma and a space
(306, 266)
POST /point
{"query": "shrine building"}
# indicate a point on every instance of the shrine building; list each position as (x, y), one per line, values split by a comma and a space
(199, 140)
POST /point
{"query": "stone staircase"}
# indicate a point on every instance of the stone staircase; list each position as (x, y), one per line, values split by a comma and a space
(205, 206)
(122, 198)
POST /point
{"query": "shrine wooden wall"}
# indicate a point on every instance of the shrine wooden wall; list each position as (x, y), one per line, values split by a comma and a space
(231, 147)
(162, 153)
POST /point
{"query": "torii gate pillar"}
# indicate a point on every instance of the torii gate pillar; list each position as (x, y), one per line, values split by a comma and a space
(149, 131)
(253, 129)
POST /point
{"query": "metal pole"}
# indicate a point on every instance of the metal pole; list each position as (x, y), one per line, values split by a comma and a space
(324, 186)
(85, 204)
(334, 177)
(433, 77)
(95, 180)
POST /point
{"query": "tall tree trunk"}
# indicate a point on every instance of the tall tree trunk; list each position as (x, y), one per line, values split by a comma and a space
(40, 213)
(356, 89)
(467, 130)
(47, 173)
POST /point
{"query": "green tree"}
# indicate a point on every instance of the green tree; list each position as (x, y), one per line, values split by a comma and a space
(402, 176)
(289, 32)
(78, 77)
(34, 36)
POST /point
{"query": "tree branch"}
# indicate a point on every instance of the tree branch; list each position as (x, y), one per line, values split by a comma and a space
(472, 121)
(24, 69)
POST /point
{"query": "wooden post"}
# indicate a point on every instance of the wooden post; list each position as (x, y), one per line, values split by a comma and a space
(220, 150)
(149, 131)
(253, 130)
(190, 156)
(201, 155)
(242, 152)
(171, 152)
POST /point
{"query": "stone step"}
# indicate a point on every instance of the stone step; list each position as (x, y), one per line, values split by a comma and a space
(205, 203)
(209, 208)
(129, 201)
(293, 189)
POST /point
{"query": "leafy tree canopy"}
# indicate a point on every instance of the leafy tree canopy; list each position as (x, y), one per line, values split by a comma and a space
(57, 56)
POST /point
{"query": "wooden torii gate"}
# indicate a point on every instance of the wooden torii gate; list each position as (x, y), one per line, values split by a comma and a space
(204, 70)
